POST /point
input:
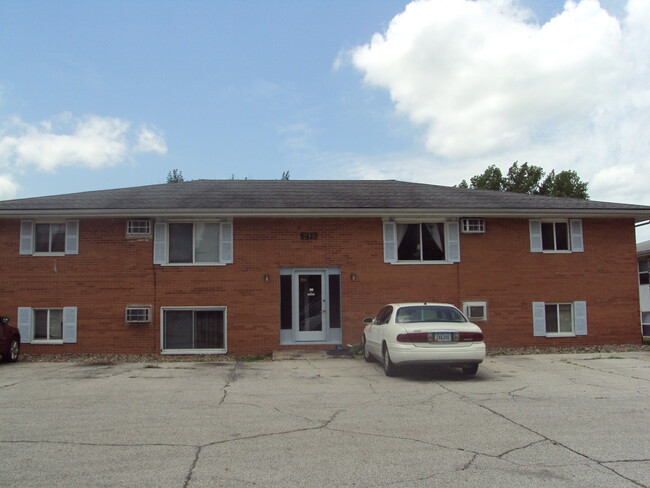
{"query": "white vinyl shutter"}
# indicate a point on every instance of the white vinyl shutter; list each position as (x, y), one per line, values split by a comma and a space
(535, 235)
(577, 243)
(25, 324)
(226, 237)
(72, 237)
(390, 242)
(452, 231)
(70, 324)
(26, 237)
(580, 317)
(539, 319)
(160, 243)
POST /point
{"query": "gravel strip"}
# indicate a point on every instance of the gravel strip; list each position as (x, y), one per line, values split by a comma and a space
(107, 359)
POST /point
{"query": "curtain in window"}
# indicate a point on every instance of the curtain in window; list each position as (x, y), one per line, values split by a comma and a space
(208, 327)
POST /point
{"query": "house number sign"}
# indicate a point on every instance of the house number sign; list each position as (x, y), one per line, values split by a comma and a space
(309, 236)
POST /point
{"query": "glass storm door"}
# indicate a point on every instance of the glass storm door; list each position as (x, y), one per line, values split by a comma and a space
(310, 306)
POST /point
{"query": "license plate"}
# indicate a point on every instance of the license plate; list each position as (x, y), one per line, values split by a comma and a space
(442, 337)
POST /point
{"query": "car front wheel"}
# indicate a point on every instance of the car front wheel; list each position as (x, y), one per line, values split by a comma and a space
(389, 368)
(12, 353)
(470, 370)
(366, 354)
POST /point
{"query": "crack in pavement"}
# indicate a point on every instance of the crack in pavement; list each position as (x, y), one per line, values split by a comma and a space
(558, 443)
(225, 387)
(568, 361)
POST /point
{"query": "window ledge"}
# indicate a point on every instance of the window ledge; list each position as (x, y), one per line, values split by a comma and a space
(48, 254)
(561, 335)
(46, 342)
(193, 351)
(192, 264)
(411, 263)
(556, 252)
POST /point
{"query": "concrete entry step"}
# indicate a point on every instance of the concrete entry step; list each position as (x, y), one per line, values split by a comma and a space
(310, 354)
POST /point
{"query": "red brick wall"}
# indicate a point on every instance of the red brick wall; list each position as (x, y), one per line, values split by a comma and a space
(111, 272)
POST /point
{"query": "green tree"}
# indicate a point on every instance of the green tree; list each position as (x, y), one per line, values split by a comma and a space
(175, 176)
(564, 184)
(530, 179)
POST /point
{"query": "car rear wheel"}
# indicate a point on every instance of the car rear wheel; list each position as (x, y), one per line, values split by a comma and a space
(366, 354)
(470, 370)
(11, 356)
(389, 368)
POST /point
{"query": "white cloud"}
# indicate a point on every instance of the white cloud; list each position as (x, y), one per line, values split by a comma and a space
(90, 141)
(489, 86)
(8, 188)
(151, 140)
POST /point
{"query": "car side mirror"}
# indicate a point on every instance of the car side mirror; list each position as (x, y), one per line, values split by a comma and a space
(368, 320)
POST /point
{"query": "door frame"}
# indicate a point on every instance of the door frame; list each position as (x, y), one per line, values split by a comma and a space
(317, 335)
(289, 332)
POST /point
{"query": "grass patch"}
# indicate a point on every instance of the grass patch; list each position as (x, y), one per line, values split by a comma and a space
(249, 359)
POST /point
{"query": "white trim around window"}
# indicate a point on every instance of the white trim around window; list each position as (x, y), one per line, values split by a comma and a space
(556, 236)
(559, 319)
(421, 242)
(49, 238)
(193, 243)
(193, 330)
(47, 325)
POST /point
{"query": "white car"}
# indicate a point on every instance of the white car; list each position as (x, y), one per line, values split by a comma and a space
(423, 333)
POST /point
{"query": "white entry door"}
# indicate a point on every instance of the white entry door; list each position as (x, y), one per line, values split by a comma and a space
(310, 306)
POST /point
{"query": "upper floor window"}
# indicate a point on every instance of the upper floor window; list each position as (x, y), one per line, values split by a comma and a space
(644, 275)
(44, 238)
(556, 236)
(188, 243)
(421, 242)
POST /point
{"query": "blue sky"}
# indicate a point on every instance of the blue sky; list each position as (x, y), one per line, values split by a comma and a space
(110, 94)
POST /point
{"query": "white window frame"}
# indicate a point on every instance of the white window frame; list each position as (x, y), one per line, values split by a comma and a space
(131, 314)
(578, 319)
(468, 305)
(645, 272)
(161, 242)
(473, 225)
(28, 237)
(138, 228)
(26, 325)
(223, 350)
(574, 237)
(391, 246)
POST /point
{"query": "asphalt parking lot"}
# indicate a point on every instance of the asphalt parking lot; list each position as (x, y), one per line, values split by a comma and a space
(578, 420)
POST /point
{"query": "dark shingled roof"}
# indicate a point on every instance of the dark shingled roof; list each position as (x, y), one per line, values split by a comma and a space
(266, 196)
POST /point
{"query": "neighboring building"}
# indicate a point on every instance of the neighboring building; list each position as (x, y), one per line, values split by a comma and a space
(248, 267)
(643, 257)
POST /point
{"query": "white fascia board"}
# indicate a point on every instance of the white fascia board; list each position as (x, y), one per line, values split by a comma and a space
(416, 213)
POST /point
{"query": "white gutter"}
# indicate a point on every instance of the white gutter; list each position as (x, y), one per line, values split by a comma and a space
(642, 217)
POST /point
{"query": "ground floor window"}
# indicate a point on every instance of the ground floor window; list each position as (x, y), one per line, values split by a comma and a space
(645, 323)
(559, 318)
(566, 319)
(194, 330)
(48, 324)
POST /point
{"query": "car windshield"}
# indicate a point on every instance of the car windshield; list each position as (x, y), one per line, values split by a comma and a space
(428, 313)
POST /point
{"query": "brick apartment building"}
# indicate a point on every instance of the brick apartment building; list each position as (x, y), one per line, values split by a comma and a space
(248, 267)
